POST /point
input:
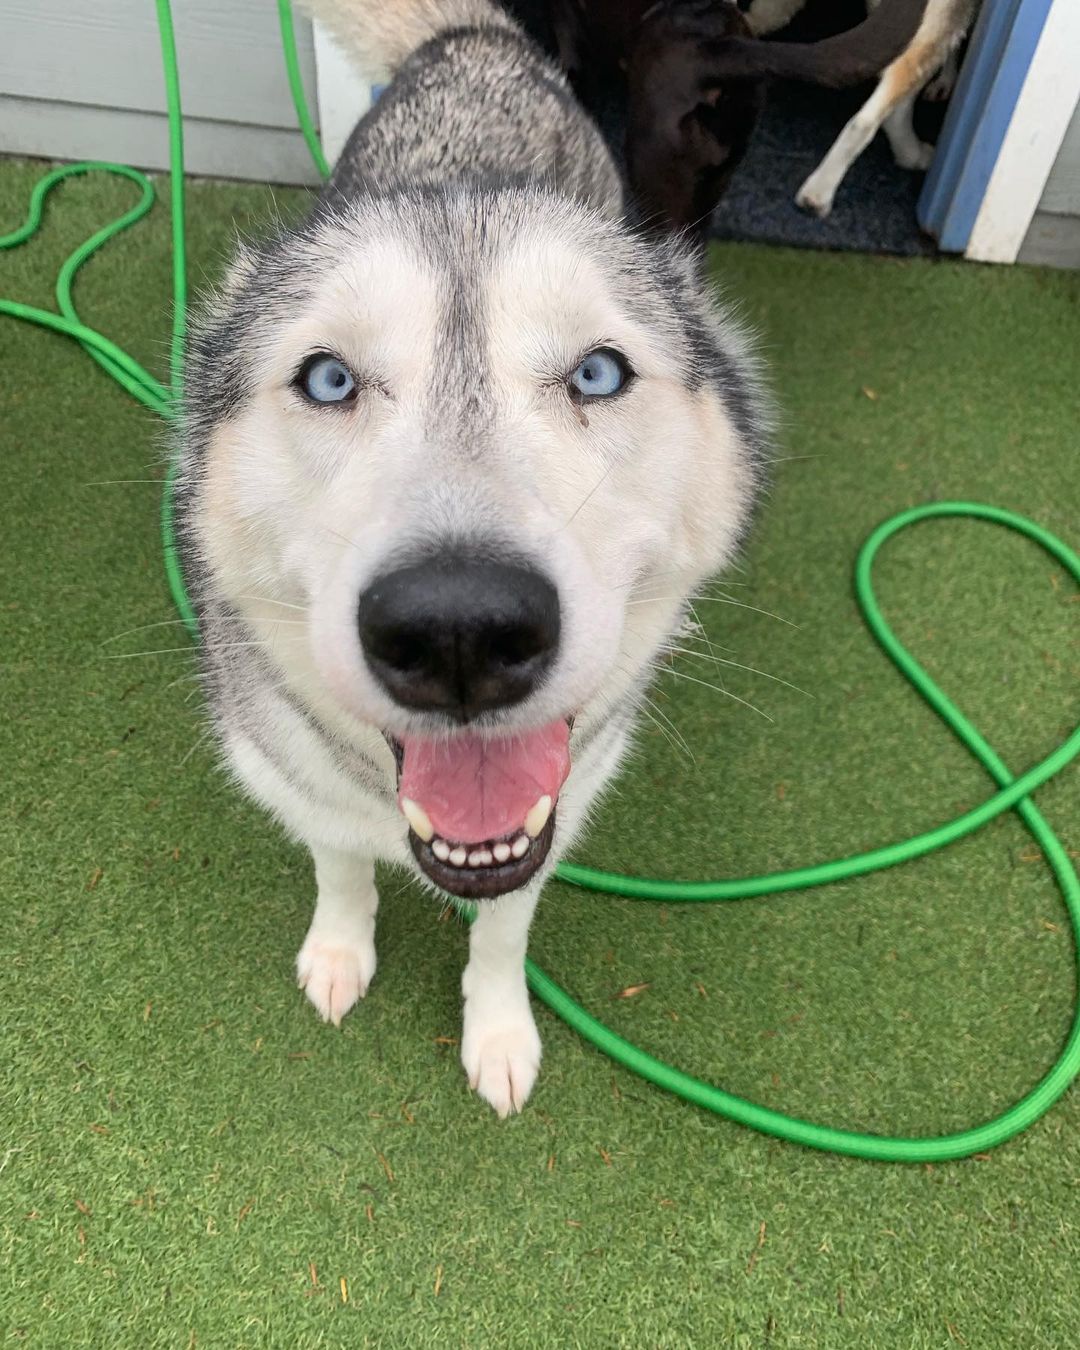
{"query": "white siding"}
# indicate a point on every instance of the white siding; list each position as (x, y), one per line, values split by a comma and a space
(1053, 237)
(1062, 192)
(82, 78)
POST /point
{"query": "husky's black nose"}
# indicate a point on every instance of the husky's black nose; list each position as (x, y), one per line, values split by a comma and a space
(459, 637)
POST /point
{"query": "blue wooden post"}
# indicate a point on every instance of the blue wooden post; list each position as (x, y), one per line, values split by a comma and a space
(993, 74)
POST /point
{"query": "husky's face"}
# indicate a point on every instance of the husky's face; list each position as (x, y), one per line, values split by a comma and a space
(486, 446)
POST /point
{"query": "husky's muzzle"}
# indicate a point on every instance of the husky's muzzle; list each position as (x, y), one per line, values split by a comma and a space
(462, 638)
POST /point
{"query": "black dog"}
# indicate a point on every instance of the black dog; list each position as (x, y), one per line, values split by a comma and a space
(677, 87)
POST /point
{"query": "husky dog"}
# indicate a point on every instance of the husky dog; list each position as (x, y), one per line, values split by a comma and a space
(454, 453)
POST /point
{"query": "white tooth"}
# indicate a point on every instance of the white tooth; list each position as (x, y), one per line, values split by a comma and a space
(538, 816)
(418, 819)
(501, 852)
(480, 857)
(457, 857)
(520, 846)
(441, 849)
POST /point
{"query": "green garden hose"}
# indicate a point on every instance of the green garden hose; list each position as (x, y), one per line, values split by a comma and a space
(1013, 792)
(296, 88)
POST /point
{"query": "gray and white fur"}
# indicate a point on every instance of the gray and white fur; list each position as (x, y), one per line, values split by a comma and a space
(471, 245)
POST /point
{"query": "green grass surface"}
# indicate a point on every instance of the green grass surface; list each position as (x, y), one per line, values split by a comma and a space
(185, 1143)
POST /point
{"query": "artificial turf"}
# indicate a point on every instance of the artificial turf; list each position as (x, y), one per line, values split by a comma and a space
(190, 1158)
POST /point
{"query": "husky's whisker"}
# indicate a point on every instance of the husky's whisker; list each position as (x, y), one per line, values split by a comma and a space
(719, 689)
(675, 736)
(172, 623)
(142, 628)
(753, 670)
(702, 635)
(741, 604)
(664, 576)
(713, 600)
(202, 739)
(160, 651)
(184, 679)
(341, 538)
(668, 737)
(269, 600)
(589, 495)
(218, 647)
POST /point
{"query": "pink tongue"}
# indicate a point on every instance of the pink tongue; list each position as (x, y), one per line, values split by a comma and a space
(475, 788)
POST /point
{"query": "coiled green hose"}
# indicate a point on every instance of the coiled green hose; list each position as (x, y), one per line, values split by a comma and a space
(1013, 792)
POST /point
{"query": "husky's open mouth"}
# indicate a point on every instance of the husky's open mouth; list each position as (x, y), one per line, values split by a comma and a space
(481, 810)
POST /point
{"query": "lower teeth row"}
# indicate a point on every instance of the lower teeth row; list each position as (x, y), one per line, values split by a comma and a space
(496, 855)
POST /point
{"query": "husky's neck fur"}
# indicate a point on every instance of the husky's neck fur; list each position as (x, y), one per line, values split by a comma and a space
(505, 115)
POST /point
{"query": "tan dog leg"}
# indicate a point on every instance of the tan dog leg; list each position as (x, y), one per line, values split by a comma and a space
(898, 86)
(908, 151)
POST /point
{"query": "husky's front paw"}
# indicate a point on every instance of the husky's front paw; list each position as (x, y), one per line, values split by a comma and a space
(500, 1049)
(335, 973)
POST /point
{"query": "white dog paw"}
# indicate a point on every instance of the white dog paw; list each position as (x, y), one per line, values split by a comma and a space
(500, 1051)
(918, 156)
(335, 974)
(811, 199)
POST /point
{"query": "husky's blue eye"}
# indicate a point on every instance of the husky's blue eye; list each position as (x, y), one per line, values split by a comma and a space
(325, 379)
(602, 373)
